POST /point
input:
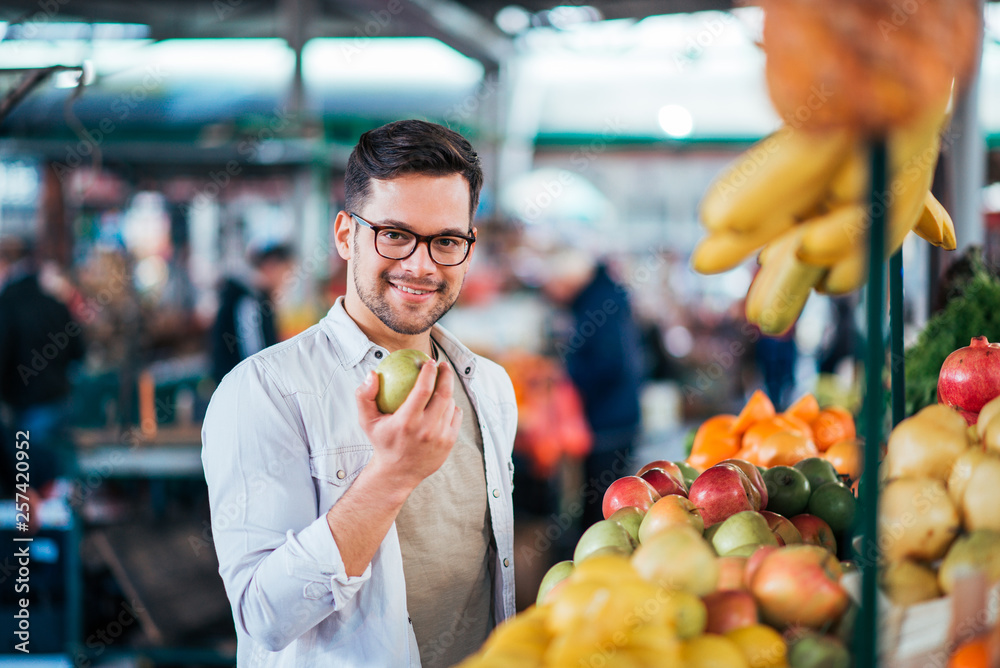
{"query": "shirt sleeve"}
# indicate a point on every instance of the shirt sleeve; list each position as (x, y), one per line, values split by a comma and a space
(280, 564)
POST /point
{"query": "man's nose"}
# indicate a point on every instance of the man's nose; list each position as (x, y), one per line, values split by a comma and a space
(419, 262)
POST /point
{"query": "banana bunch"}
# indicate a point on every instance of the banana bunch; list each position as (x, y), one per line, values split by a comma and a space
(801, 199)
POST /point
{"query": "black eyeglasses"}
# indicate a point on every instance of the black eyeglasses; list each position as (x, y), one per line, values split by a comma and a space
(393, 243)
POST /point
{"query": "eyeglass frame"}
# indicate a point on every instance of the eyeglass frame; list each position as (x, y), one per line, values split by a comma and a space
(420, 238)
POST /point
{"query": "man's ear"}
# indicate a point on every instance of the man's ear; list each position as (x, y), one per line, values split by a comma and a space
(342, 234)
(472, 248)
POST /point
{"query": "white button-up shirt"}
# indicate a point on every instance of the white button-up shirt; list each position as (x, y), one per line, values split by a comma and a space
(281, 443)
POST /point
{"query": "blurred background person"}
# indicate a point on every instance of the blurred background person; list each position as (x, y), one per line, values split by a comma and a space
(603, 354)
(39, 341)
(247, 321)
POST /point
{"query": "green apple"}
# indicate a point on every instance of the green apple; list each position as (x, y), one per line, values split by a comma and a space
(603, 534)
(833, 503)
(817, 470)
(812, 650)
(556, 574)
(788, 490)
(397, 374)
(747, 527)
(977, 550)
(689, 472)
(629, 517)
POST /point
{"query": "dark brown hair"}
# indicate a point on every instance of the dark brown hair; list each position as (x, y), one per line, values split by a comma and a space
(410, 147)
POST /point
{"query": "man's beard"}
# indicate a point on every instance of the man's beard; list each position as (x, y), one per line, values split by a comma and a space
(377, 304)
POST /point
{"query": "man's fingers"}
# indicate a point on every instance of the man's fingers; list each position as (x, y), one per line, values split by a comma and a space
(444, 392)
(368, 410)
(422, 390)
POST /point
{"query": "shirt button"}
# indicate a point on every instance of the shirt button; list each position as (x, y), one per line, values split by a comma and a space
(496, 494)
(378, 354)
(506, 562)
(341, 474)
(468, 370)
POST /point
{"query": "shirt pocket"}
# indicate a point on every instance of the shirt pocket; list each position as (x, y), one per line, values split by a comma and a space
(339, 466)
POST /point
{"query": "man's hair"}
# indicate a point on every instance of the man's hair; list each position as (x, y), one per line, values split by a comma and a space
(410, 147)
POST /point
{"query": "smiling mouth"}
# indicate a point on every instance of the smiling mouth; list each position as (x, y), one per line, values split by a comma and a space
(412, 291)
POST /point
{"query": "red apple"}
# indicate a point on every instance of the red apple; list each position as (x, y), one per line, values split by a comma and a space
(664, 482)
(783, 528)
(629, 491)
(754, 562)
(671, 510)
(730, 610)
(731, 570)
(799, 585)
(723, 490)
(669, 467)
(755, 477)
(815, 531)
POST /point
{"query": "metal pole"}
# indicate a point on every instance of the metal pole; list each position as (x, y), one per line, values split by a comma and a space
(866, 636)
(897, 366)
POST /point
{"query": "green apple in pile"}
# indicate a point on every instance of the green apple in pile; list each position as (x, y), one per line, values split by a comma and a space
(397, 374)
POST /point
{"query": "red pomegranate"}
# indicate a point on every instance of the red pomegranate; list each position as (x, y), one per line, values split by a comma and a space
(970, 377)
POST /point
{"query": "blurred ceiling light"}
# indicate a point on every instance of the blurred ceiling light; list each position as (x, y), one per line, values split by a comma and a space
(675, 120)
(513, 19)
(57, 30)
(566, 16)
(71, 78)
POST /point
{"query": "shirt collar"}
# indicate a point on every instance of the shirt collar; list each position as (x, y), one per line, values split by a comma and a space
(355, 345)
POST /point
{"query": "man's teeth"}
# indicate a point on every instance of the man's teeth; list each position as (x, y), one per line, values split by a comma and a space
(413, 292)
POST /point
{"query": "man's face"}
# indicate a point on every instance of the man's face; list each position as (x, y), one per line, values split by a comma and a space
(408, 296)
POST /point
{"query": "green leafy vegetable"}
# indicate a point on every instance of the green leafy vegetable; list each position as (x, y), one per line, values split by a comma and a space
(973, 309)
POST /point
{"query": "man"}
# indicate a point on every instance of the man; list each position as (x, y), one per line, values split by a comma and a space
(245, 323)
(603, 359)
(39, 341)
(347, 537)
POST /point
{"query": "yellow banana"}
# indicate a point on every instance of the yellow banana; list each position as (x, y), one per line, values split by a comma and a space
(852, 181)
(784, 175)
(780, 289)
(829, 238)
(722, 251)
(847, 275)
(935, 225)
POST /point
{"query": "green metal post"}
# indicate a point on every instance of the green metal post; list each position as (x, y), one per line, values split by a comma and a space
(866, 635)
(896, 355)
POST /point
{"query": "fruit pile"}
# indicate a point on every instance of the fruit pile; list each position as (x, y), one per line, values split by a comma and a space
(691, 570)
(766, 438)
(939, 510)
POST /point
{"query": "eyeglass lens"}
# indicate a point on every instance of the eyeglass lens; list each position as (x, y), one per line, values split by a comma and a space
(396, 244)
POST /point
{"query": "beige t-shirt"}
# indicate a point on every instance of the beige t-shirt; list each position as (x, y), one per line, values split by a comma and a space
(448, 550)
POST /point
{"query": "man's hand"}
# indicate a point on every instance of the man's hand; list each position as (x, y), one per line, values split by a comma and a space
(415, 441)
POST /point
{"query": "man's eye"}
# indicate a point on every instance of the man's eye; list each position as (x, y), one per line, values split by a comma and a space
(447, 242)
(394, 235)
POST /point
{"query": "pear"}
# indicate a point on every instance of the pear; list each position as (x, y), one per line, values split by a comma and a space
(926, 445)
(397, 374)
(961, 472)
(978, 550)
(986, 415)
(906, 582)
(981, 498)
(916, 519)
